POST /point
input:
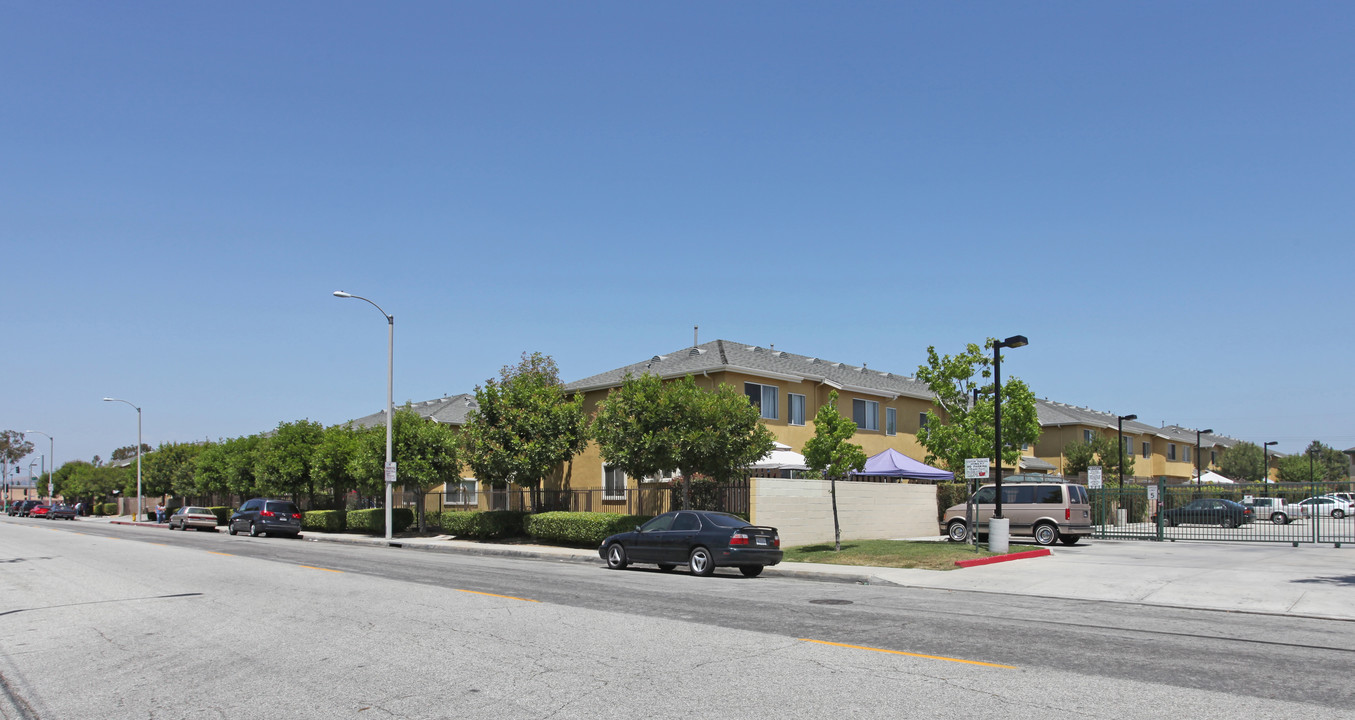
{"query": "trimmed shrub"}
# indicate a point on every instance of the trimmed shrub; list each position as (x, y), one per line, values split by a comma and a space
(222, 514)
(579, 528)
(483, 525)
(97, 510)
(327, 520)
(949, 494)
(374, 520)
(110, 508)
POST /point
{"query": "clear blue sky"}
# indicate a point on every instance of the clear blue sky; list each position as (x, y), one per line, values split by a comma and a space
(1161, 196)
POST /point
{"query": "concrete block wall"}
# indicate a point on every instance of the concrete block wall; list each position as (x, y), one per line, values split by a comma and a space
(802, 510)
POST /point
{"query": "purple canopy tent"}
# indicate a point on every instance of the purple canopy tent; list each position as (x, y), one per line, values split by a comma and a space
(892, 463)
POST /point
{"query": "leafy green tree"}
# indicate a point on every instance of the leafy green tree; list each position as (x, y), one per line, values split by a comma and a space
(425, 454)
(639, 426)
(831, 455)
(171, 470)
(724, 435)
(79, 481)
(1317, 463)
(337, 463)
(525, 426)
(283, 463)
(1102, 451)
(1243, 462)
(13, 448)
(964, 427)
(129, 452)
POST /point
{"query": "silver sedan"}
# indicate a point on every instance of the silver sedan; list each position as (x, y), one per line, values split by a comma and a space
(198, 518)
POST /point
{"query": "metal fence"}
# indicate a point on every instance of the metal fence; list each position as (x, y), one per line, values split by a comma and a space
(1280, 513)
(631, 501)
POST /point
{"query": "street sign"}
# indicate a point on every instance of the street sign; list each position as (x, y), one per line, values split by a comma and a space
(390, 472)
(1247, 499)
(1094, 477)
(1152, 493)
(976, 469)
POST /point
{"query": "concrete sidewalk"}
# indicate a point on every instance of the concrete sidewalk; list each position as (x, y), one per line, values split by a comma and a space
(1307, 581)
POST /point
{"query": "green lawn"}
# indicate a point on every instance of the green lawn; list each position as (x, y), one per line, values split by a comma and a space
(893, 553)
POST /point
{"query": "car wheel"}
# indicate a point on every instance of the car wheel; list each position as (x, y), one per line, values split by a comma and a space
(1069, 539)
(230, 529)
(1046, 534)
(666, 567)
(1279, 518)
(616, 557)
(1168, 521)
(254, 530)
(956, 531)
(1228, 522)
(1338, 514)
(750, 570)
(700, 562)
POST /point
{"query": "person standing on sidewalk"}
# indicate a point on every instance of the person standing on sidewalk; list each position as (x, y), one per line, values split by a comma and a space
(160, 512)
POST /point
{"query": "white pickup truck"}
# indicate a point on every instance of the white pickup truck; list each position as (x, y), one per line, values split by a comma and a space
(1275, 510)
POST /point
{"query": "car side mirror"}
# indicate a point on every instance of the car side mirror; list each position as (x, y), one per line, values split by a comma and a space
(637, 528)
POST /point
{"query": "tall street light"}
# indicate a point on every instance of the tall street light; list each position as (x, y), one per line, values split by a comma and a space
(1198, 433)
(1119, 424)
(51, 453)
(138, 453)
(390, 384)
(1265, 460)
(1014, 341)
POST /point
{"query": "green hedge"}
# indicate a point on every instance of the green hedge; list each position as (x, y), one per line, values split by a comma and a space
(483, 525)
(1131, 498)
(949, 494)
(110, 508)
(374, 521)
(576, 528)
(327, 520)
(97, 510)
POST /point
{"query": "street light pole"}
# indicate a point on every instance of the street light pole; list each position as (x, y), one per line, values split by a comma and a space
(51, 453)
(138, 454)
(1265, 460)
(1119, 425)
(390, 396)
(1198, 433)
(1014, 341)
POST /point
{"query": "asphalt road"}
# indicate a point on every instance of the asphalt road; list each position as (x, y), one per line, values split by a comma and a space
(100, 621)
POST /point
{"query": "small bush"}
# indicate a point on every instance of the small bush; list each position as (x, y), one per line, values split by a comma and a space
(97, 510)
(483, 525)
(110, 508)
(949, 494)
(578, 528)
(374, 520)
(327, 520)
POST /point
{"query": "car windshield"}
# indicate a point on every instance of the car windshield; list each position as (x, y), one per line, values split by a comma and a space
(727, 521)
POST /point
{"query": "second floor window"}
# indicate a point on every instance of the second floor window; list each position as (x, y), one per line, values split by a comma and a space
(763, 397)
(891, 421)
(866, 413)
(1147, 450)
(1171, 451)
(797, 409)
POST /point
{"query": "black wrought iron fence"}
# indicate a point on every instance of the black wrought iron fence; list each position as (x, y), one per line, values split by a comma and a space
(631, 501)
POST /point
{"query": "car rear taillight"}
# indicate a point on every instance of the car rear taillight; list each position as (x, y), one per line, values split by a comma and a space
(265, 513)
(296, 516)
(738, 539)
(1067, 513)
(776, 541)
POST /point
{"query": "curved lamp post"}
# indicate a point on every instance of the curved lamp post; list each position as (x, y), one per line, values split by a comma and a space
(1014, 341)
(138, 453)
(1119, 423)
(390, 383)
(51, 453)
(1198, 433)
(1265, 460)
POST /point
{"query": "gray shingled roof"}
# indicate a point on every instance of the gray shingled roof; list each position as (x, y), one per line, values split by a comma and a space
(1054, 414)
(724, 355)
(448, 410)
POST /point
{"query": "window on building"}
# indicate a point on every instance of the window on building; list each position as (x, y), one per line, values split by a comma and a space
(462, 493)
(661, 476)
(891, 421)
(1171, 451)
(1147, 450)
(613, 483)
(763, 397)
(1127, 445)
(1087, 436)
(1213, 457)
(921, 420)
(797, 409)
(866, 413)
(1185, 453)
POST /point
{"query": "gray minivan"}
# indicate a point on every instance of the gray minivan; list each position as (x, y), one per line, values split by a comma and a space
(1049, 511)
(261, 515)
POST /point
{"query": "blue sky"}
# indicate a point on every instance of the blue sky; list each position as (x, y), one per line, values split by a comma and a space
(1159, 195)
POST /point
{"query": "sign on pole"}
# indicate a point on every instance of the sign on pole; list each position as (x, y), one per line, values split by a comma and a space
(976, 469)
(390, 472)
(1094, 477)
(1152, 493)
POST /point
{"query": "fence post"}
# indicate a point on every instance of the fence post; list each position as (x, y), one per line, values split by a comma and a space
(1161, 505)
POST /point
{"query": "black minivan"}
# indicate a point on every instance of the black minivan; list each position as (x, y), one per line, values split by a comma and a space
(261, 515)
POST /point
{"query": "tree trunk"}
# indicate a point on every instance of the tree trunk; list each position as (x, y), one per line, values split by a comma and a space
(837, 531)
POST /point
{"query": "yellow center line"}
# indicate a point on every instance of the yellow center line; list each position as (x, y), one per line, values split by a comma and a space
(309, 567)
(507, 597)
(916, 655)
(220, 553)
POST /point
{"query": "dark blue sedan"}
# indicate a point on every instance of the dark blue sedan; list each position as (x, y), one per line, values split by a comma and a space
(699, 539)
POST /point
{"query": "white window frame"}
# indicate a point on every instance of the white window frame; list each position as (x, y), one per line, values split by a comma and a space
(790, 408)
(609, 493)
(871, 411)
(462, 493)
(762, 400)
(661, 476)
(891, 421)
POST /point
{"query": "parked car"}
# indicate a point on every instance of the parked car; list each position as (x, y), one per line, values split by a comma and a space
(39, 511)
(264, 516)
(699, 539)
(198, 518)
(1048, 511)
(61, 512)
(1273, 509)
(20, 508)
(1326, 505)
(1208, 511)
